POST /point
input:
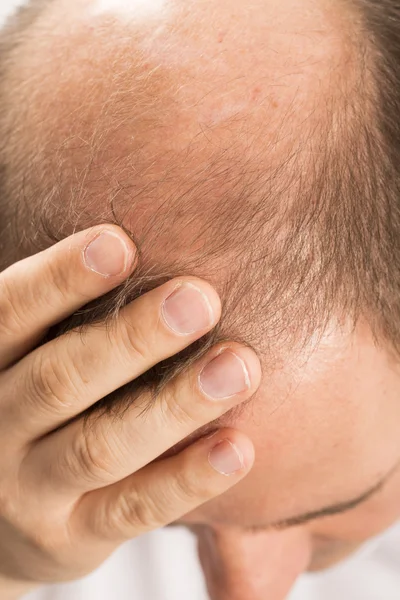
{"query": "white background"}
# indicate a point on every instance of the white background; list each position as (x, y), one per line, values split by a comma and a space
(7, 7)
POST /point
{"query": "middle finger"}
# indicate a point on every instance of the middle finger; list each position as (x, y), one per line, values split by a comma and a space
(83, 457)
(64, 377)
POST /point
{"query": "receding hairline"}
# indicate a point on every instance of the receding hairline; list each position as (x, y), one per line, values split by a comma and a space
(295, 272)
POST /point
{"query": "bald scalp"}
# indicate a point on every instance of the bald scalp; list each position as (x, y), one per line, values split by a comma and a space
(265, 171)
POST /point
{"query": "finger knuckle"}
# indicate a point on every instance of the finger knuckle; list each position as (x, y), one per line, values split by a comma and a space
(12, 316)
(90, 457)
(134, 342)
(49, 383)
(60, 277)
(189, 488)
(182, 403)
(134, 512)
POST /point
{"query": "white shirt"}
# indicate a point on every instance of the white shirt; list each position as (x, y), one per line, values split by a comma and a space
(163, 565)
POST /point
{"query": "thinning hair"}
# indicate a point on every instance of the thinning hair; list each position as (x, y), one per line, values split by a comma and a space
(315, 236)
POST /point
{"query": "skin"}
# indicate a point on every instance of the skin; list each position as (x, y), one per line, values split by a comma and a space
(307, 458)
(95, 492)
(325, 423)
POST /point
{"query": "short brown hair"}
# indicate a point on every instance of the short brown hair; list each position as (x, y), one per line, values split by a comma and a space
(335, 251)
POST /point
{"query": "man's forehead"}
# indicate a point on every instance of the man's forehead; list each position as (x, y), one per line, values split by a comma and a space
(105, 107)
(273, 34)
(135, 10)
(238, 79)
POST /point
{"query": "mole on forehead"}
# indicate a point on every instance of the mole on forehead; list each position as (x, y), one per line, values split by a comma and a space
(135, 10)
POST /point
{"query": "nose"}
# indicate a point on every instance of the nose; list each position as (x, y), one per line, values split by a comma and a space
(241, 565)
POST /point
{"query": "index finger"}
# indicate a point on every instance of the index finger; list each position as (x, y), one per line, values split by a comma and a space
(42, 290)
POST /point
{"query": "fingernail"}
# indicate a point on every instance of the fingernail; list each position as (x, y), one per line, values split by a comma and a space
(226, 375)
(226, 458)
(107, 254)
(187, 310)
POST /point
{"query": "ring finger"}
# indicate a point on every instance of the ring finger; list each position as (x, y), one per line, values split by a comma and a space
(80, 457)
(164, 491)
(66, 376)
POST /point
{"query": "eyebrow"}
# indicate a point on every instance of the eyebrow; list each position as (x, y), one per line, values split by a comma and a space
(334, 509)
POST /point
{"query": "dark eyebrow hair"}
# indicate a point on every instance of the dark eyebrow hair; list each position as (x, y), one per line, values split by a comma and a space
(335, 509)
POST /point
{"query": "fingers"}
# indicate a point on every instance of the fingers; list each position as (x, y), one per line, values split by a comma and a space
(41, 290)
(64, 377)
(79, 458)
(164, 491)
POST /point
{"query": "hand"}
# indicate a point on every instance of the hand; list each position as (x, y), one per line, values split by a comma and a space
(70, 495)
